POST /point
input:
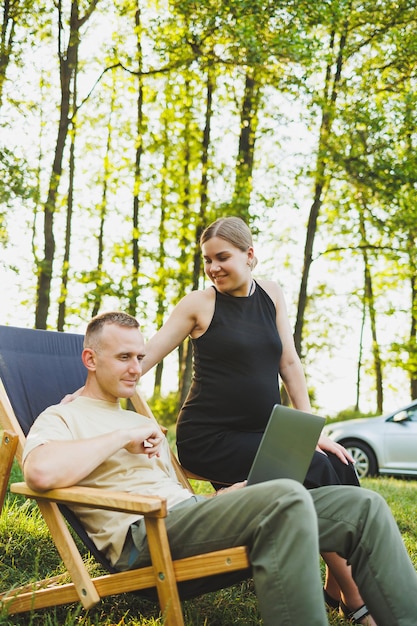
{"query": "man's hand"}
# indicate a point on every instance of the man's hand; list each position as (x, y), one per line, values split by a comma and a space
(145, 440)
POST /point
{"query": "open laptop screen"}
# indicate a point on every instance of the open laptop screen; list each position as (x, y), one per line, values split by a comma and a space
(287, 445)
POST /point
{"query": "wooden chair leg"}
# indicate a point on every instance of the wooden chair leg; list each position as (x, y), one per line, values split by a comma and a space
(7, 452)
(68, 550)
(166, 585)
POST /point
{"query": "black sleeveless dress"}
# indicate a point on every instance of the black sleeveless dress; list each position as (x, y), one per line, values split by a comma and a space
(235, 385)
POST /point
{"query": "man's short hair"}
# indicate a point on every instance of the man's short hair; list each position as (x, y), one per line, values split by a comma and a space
(97, 323)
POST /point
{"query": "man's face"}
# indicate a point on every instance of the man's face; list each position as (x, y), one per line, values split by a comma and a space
(117, 362)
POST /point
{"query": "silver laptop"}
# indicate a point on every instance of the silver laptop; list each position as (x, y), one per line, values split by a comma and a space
(287, 445)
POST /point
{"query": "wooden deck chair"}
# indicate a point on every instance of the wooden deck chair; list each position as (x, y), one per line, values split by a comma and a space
(37, 368)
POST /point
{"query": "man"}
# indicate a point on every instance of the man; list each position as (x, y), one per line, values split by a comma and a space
(92, 441)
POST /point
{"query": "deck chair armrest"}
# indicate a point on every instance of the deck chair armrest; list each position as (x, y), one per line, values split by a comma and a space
(149, 506)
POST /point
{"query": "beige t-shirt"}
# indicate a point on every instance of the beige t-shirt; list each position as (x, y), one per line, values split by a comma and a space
(85, 418)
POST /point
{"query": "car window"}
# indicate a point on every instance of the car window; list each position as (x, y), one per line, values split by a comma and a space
(409, 414)
(412, 414)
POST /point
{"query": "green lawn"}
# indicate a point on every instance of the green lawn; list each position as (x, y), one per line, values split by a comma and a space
(27, 553)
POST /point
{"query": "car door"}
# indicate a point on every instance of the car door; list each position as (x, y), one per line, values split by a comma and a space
(400, 441)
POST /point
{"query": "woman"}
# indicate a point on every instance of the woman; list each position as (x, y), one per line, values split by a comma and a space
(242, 343)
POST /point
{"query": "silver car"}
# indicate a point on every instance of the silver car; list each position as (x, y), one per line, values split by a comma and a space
(380, 445)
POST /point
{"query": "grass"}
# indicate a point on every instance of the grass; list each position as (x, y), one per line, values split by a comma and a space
(27, 553)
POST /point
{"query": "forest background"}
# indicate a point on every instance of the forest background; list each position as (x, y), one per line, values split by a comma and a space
(126, 127)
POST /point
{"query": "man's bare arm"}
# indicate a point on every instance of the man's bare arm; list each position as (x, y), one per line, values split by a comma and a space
(65, 463)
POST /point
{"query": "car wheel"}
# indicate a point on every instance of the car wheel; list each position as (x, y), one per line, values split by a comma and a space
(365, 461)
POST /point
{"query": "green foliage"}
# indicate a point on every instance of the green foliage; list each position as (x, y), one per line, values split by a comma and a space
(349, 414)
(160, 123)
(27, 549)
(16, 474)
(15, 184)
(165, 408)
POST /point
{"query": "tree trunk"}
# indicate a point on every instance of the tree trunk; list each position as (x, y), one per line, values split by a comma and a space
(369, 299)
(413, 325)
(245, 158)
(70, 206)
(134, 290)
(67, 64)
(359, 367)
(331, 88)
(185, 369)
(102, 209)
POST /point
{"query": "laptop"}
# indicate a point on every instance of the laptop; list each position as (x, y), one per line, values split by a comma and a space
(287, 445)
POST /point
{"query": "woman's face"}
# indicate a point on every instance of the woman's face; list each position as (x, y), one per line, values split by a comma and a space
(227, 267)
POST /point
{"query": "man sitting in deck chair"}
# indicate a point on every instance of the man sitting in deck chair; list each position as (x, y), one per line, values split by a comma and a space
(92, 441)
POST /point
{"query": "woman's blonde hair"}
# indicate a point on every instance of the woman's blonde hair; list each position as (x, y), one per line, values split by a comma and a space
(231, 229)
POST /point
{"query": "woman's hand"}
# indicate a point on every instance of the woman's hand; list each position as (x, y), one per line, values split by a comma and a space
(71, 396)
(325, 444)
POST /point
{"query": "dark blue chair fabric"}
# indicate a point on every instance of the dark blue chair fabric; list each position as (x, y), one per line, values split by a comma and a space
(38, 368)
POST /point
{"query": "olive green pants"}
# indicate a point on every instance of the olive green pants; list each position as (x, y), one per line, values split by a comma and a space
(285, 527)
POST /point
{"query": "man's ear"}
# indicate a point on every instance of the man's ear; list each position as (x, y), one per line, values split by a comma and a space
(88, 357)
